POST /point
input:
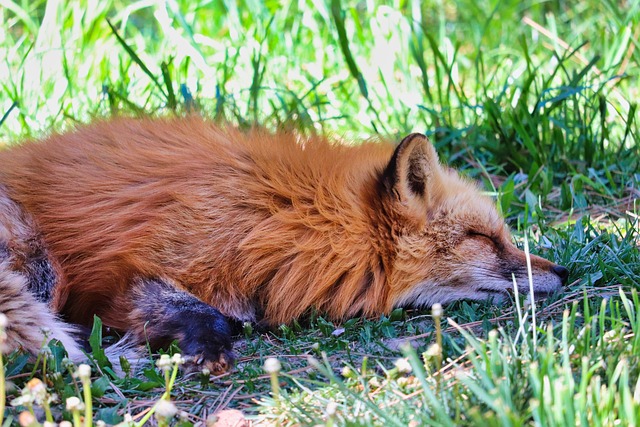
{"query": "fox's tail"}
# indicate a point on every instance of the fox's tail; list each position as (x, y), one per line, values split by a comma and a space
(27, 279)
(30, 323)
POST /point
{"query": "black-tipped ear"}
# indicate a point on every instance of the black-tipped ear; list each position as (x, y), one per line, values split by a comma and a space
(408, 174)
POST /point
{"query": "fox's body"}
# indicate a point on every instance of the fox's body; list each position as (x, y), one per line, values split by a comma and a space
(257, 226)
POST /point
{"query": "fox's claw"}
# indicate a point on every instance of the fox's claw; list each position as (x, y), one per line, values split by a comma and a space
(216, 365)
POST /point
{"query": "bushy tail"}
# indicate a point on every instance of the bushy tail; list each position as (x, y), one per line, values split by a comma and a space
(30, 323)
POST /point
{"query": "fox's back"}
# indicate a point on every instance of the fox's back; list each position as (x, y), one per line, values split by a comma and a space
(178, 198)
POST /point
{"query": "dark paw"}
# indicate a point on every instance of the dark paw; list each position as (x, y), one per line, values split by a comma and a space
(204, 334)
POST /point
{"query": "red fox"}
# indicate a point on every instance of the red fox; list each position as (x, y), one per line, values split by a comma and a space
(177, 229)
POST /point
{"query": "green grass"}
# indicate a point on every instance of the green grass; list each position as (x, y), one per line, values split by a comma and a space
(536, 99)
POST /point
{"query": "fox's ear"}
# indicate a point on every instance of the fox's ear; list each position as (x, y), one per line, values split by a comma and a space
(408, 175)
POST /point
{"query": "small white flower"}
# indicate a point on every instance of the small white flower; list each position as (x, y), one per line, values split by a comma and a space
(23, 400)
(332, 407)
(313, 362)
(74, 404)
(272, 365)
(177, 359)
(101, 423)
(166, 409)
(83, 372)
(436, 310)
(51, 398)
(65, 424)
(164, 363)
(433, 350)
(48, 424)
(3, 321)
(46, 351)
(26, 418)
(37, 390)
(346, 372)
(403, 365)
(127, 421)
(206, 372)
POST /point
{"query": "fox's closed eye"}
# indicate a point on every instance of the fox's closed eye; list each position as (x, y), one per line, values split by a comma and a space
(481, 235)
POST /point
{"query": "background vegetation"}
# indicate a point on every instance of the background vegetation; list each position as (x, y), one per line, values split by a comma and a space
(536, 99)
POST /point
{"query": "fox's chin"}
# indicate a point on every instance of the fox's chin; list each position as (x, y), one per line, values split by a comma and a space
(496, 292)
(499, 297)
(494, 296)
(423, 300)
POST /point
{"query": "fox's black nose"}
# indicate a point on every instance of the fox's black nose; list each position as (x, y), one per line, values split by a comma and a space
(562, 272)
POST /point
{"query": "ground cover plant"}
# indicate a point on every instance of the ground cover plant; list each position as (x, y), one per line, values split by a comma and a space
(538, 100)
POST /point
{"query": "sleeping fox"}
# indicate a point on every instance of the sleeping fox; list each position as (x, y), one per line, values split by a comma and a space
(178, 229)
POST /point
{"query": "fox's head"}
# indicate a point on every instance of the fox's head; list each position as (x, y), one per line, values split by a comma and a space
(450, 241)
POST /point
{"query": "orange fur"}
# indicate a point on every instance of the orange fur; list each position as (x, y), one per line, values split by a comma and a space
(256, 224)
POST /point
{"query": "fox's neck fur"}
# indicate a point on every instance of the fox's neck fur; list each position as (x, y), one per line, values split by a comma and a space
(300, 254)
(303, 256)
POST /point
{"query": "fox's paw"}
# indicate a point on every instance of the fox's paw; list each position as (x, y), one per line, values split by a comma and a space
(214, 364)
(205, 337)
(164, 313)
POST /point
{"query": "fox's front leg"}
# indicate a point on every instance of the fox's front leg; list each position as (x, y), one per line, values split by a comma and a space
(162, 313)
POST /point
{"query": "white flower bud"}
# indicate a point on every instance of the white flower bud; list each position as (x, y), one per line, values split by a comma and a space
(74, 404)
(164, 363)
(346, 372)
(332, 408)
(165, 409)
(3, 321)
(272, 365)
(403, 365)
(177, 359)
(433, 350)
(313, 362)
(83, 372)
(436, 310)
(26, 418)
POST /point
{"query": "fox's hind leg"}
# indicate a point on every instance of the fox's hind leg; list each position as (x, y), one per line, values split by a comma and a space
(162, 313)
(27, 281)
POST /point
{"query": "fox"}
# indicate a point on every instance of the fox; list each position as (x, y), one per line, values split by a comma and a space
(181, 229)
